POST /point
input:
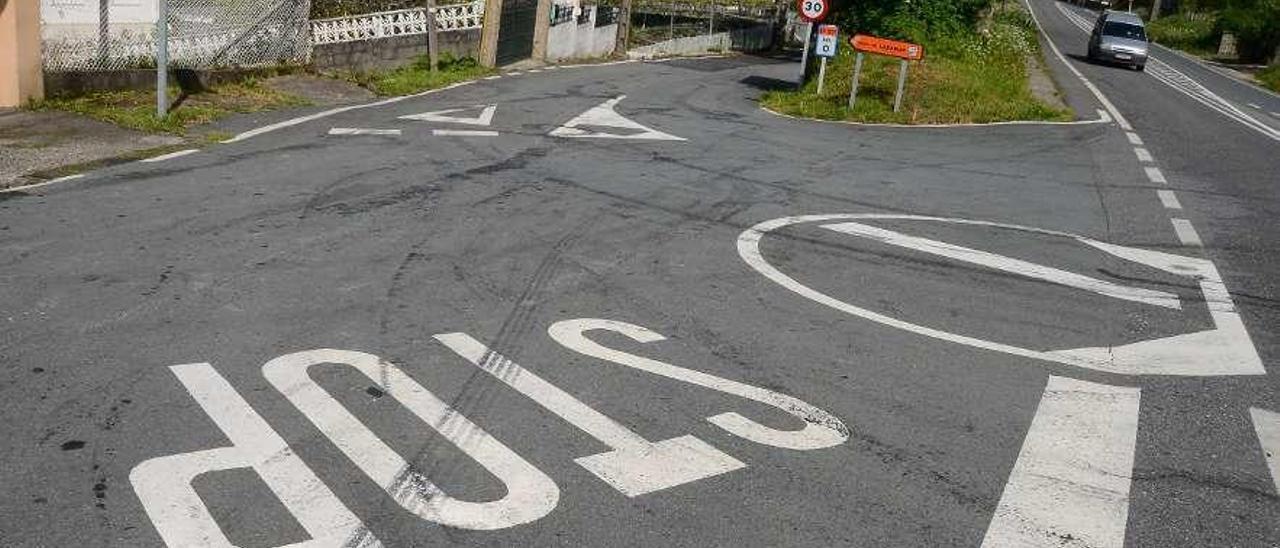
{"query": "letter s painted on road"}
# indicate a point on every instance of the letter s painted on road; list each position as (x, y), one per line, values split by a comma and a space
(821, 429)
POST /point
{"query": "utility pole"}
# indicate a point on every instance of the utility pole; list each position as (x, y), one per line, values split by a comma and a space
(1155, 9)
(162, 58)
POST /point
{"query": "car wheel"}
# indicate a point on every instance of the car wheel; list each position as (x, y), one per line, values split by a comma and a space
(1140, 68)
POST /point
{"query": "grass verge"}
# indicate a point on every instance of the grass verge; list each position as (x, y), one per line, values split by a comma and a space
(975, 77)
(1270, 77)
(417, 77)
(1193, 33)
(135, 109)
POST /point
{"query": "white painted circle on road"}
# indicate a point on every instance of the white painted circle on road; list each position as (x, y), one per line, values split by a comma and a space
(1224, 350)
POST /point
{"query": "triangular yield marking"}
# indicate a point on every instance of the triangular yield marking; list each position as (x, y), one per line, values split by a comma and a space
(603, 115)
(485, 118)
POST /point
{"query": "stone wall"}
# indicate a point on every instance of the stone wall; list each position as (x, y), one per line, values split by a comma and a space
(385, 53)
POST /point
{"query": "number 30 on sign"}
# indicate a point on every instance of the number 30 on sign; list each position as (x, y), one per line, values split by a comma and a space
(813, 10)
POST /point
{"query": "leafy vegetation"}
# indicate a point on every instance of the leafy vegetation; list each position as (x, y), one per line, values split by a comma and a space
(1192, 32)
(417, 76)
(1270, 76)
(974, 72)
(136, 109)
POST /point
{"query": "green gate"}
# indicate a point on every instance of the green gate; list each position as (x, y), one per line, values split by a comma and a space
(515, 30)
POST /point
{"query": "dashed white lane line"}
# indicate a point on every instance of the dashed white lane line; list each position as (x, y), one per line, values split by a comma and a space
(1143, 155)
(1186, 233)
(362, 131)
(493, 77)
(464, 133)
(1134, 139)
(171, 155)
(1255, 105)
(1267, 425)
(1168, 199)
(1156, 175)
(517, 73)
(534, 71)
(1072, 477)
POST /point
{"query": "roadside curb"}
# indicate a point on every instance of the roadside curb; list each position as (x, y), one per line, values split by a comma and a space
(1103, 118)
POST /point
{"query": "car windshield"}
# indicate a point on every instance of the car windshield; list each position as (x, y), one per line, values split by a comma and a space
(1124, 30)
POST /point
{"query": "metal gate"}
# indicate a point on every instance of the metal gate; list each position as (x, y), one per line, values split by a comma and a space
(515, 30)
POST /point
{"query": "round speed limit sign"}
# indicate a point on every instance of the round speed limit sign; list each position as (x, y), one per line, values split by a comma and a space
(813, 10)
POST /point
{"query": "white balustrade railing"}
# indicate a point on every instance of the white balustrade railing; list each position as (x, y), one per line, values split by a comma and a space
(396, 23)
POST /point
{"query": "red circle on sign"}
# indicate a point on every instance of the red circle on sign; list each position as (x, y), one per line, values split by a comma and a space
(813, 10)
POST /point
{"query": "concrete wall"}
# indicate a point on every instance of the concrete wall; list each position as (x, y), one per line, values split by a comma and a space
(569, 40)
(385, 53)
(748, 39)
(20, 62)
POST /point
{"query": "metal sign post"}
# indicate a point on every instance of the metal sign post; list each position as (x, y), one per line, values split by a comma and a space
(857, 73)
(825, 48)
(905, 51)
(811, 11)
(902, 81)
(804, 57)
(162, 58)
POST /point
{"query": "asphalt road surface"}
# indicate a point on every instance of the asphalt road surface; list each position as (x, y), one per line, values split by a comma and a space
(623, 305)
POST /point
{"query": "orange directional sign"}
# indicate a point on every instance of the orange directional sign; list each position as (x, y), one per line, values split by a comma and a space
(884, 46)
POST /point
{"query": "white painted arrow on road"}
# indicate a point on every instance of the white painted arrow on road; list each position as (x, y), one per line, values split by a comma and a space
(484, 118)
(603, 116)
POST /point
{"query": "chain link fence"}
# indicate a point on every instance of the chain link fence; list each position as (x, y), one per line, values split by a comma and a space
(87, 35)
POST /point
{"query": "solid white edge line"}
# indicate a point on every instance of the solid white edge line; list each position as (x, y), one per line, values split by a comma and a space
(1218, 71)
(1073, 474)
(33, 186)
(170, 155)
(1134, 139)
(1143, 155)
(1155, 175)
(1186, 232)
(1255, 105)
(1168, 199)
(1106, 103)
(464, 132)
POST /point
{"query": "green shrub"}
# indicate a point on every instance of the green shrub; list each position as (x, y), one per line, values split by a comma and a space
(1196, 33)
(1270, 76)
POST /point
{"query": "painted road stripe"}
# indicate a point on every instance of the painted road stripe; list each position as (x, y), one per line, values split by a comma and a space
(1267, 425)
(1143, 155)
(1186, 233)
(635, 466)
(1010, 265)
(362, 131)
(1156, 175)
(304, 119)
(495, 77)
(1070, 484)
(1255, 105)
(517, 73)
(1133, 138)
(171, 155)
(464, 132)
(1169, 199)
(34, 186)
